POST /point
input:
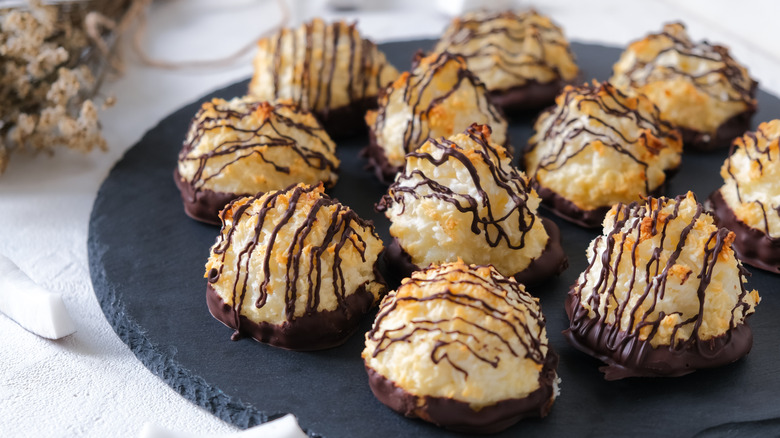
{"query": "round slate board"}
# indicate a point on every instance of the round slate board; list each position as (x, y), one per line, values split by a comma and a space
(147, 263)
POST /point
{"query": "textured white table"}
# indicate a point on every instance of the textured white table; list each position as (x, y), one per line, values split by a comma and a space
(90, 384)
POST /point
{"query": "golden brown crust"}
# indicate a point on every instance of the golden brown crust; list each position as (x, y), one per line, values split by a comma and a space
(749, 200)
(321, 66)
(438, 98)
(294, 257)
(244, 146)
(663, 293)
(460, 197)
(698, 86)
(598, 146)
(751, 175)
(510, 49)
(663, 272)
(465, 333)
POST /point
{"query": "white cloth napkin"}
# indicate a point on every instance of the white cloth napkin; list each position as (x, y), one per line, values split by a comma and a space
(284, 427)
(34, 308)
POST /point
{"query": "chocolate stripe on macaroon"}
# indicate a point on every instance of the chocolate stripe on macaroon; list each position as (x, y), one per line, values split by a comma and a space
(293, 268)
(663, 293)
(747, 202)
(596, 147)
(463, 347)
(754, 246)
(698, 86)
(523, 59)
(439, 97)
(244, 147)
(461, 198)
(327, 68)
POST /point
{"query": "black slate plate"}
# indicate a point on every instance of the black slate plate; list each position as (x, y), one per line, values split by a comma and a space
(147, 262)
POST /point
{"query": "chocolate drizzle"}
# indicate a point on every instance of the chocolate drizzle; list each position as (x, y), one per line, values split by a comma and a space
(561, 125)
(759, 147)
(341, 231)
(476, 336)
(761, 151)
(727, 76)
(728, 72)
(201, 201)
(514, 44)
(486, 220)
(505, 177)
(337, 95)
(753, 246)
(420, 94)
(629, 352)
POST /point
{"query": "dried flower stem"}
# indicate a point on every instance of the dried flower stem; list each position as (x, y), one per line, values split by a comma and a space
(48, 78)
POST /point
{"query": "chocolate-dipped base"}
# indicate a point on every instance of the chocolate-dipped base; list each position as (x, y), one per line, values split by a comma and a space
(346, 121)
(732, 128)
(552, 260)
(568, 210)
(312, 331)
(531, 96)
(458, 415)
(203, 204)
(753, 246)
(376, 160)
(628, 356)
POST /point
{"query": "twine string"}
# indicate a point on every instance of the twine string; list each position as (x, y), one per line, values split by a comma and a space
(96, 24)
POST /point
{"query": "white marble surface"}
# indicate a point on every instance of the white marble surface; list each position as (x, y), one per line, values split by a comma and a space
(90, 384)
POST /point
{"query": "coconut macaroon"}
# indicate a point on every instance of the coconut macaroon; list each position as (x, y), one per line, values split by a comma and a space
(293, 268)
(663, 293)
(461, 198)
(522, 58)
(462, 347)
(243, 147)
(749, 201)
(596, 147)
(438, 98)
(326, 68)
(699, 87)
